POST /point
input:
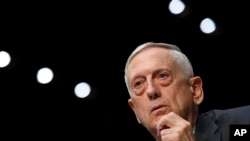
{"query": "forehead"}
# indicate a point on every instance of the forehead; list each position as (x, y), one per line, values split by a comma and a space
(149, 58)
(155, 53)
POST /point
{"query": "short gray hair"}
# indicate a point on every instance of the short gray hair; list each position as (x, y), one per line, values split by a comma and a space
(181, 59)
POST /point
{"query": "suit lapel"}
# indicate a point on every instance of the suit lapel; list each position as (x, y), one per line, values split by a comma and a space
(207, 129)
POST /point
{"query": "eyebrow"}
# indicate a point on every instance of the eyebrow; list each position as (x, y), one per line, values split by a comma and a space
(154, 72)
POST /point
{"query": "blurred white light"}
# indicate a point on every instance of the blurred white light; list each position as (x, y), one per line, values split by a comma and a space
(207, 25)
(176, 6)
(4, 59)
(44, 75)
(82, 90)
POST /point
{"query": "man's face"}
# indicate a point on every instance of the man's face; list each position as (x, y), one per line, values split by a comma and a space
(157, 87)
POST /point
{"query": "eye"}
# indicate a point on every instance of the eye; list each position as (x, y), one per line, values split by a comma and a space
(137, 84)
(164, 78)
(163, 75)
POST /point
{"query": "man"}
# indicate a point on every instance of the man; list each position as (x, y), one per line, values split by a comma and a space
(165, 94)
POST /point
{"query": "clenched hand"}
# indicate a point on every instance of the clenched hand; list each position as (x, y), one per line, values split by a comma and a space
(172, 127)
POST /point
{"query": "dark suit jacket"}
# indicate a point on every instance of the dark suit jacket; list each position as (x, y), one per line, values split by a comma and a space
(215, 124)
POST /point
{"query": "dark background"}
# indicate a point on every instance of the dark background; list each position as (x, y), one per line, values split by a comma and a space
(90, 41)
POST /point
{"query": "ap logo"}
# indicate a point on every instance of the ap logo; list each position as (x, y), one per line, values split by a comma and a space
(240, 132)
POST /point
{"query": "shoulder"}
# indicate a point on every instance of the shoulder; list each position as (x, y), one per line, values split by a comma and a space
(216, 123)
(237, 115)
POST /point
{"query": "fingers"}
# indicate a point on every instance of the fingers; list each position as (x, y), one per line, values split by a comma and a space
(172, 126)
(168, 121)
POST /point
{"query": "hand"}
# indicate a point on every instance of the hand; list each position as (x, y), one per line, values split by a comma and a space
(172, 127)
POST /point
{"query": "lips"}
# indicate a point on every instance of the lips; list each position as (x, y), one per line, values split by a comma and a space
(157, 107)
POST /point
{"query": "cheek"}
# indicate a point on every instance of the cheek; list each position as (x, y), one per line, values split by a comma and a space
(184, 100)
(177, 97)
(141, 104)
(141, 101)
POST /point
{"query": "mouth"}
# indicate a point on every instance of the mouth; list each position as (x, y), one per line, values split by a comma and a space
(158, 108)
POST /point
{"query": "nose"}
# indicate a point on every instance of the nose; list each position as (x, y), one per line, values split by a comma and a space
(152, 91)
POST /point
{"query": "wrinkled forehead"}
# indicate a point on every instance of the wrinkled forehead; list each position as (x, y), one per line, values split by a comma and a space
(151, 52)
(150, 57)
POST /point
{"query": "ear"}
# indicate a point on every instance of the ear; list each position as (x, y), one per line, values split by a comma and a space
(131, 104)
(197, 89)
